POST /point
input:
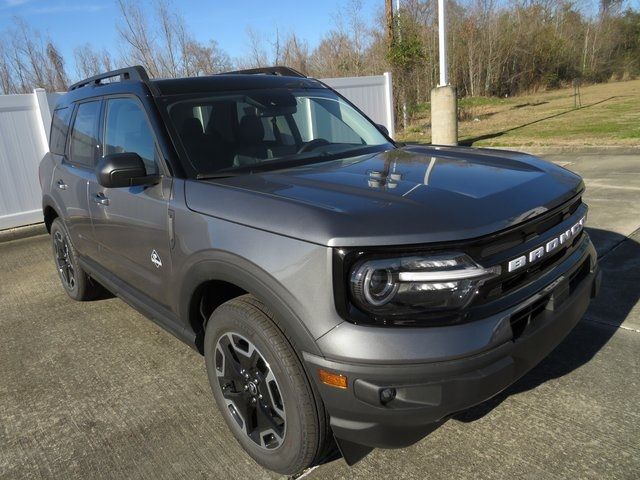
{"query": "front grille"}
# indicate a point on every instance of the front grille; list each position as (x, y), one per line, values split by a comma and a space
(508, 283)
(526, 232)
(510, 244)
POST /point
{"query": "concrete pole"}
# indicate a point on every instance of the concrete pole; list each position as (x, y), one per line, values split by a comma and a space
(444, 103)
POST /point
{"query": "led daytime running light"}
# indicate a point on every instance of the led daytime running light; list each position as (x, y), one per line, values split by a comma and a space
(444, 275)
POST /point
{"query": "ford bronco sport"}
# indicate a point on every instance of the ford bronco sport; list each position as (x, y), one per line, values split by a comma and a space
(347, 292)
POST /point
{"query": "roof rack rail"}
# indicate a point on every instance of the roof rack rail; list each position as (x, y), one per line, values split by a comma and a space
(136, 72)
(275, 70)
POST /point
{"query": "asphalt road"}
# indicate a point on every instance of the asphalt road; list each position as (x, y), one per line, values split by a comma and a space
(94, 390)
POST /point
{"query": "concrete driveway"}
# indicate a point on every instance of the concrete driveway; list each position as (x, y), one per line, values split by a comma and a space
(94, 390)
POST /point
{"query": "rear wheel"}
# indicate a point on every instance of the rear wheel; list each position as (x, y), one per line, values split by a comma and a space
(75, 281)
(262, 389)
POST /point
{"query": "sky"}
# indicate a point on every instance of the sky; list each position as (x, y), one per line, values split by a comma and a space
(72, 23)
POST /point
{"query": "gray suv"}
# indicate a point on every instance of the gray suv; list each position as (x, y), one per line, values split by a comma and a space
(347, 292)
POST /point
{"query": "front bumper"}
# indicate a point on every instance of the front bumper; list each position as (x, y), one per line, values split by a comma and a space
(427, 392)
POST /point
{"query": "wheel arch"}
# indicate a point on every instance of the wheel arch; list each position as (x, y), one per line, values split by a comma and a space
(50, 211)
(227, 276)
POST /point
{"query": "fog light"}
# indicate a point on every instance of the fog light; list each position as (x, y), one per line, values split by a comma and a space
(333, 379)
(387, 394)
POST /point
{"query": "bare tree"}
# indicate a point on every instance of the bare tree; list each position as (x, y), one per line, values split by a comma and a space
(6, 75)
(91, 62)
(295, 53)
(136, 33)
(258, 56)
(171, 27)
(28, 61)
(56, 64)
(169, 50)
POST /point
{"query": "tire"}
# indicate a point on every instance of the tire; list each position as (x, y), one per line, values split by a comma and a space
(298, 435)
(74, 279)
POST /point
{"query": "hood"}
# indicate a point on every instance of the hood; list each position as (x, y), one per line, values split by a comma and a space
(402, 196)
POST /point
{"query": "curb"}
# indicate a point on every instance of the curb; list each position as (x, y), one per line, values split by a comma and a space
(18, 233)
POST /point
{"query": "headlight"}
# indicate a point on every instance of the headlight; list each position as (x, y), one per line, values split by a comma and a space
(394, 287)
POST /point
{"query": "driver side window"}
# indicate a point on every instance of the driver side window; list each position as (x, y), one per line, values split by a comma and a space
(127, 130)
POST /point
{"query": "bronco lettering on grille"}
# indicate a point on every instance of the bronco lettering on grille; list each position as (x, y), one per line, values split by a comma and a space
(551, 245)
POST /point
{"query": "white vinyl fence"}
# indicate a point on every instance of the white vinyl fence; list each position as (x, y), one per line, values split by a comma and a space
(24, 130)
(373, 95)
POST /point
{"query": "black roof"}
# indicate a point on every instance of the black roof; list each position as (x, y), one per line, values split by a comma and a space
(135, 79)
(227, 82)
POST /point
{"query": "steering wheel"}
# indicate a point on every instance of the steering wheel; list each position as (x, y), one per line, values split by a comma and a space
(310, 145)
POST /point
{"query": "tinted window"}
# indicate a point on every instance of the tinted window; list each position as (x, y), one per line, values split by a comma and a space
(84, 135)
(127, 130)
(241, 129)
(59, 130)
(324, 118)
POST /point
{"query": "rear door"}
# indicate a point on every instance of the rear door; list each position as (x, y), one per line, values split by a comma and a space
(74, 171)
(131, 224)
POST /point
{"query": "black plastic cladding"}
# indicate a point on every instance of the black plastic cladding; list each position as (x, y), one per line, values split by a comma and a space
(478, 249)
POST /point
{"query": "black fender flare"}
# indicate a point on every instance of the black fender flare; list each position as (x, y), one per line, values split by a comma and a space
(49, 202)
(227, 267)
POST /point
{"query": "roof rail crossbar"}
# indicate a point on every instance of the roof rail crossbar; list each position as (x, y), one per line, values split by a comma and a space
(136, 72)
(275, 70)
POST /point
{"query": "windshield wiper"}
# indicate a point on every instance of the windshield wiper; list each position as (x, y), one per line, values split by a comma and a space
(285, 162)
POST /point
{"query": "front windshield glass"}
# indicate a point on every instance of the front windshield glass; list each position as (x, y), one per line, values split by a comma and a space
(261, 129)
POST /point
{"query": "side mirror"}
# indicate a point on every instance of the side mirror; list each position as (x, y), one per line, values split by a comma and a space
(123, 170)
(383, 129)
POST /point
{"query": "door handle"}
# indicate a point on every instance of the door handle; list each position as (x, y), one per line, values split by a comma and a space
(100, 199)
(62, 185)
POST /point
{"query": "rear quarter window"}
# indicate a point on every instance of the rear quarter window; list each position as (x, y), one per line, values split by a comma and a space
(59, 130)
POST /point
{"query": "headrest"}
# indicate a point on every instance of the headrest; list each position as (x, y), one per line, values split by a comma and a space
(251, 130)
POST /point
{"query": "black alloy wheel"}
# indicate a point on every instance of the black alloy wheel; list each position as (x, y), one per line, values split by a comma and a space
(250, 390)
(74, 279)
(63, 260)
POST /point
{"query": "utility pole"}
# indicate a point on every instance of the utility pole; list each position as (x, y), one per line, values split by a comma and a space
(444, 103)
(405, 116)
(390, 20)
(442, 44)
(388, 16)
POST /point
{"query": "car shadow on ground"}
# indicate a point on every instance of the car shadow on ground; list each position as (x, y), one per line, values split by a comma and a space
(588, 337)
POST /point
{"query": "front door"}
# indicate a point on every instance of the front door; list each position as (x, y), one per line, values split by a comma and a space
(130, 224)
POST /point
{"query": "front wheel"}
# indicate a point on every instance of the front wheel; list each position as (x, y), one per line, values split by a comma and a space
(262, 389)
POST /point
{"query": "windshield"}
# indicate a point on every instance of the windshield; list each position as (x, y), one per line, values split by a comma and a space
(262, 129)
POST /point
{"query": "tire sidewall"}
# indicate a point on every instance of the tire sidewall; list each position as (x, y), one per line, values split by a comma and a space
(294, 387)
(77, 291)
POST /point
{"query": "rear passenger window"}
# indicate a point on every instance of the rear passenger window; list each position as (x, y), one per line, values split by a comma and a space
(59, 130)
(127, 130)
(84, 143)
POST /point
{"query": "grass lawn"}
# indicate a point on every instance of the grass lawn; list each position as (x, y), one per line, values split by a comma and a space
(610, 115)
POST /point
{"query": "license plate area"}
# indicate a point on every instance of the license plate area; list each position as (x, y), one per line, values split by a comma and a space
(553, 295)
